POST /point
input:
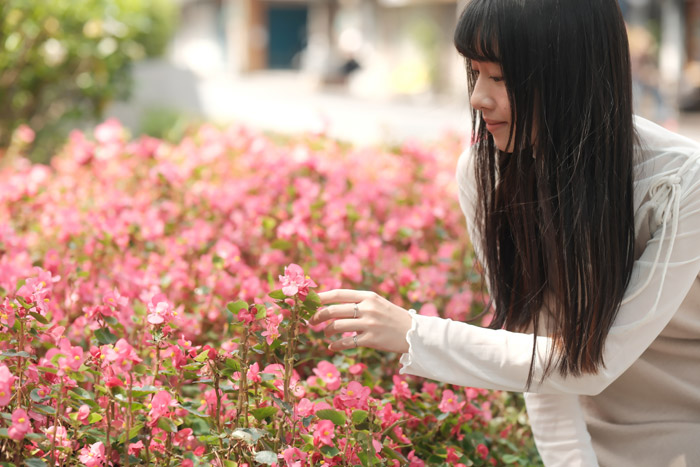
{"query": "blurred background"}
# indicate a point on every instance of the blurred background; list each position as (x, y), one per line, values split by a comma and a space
(365, 71)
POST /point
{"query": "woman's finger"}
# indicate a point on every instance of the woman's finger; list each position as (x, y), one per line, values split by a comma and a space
(344, 325)
(349, 342)
(344, 296)
(345, 310)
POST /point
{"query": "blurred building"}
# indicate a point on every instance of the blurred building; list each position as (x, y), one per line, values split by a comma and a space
(674, 26)
(383, 48)
(387, 46)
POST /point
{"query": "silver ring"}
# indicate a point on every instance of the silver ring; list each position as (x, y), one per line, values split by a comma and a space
(355, 315)
(354, 339)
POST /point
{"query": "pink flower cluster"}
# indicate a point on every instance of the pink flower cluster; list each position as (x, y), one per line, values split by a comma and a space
(118, 263)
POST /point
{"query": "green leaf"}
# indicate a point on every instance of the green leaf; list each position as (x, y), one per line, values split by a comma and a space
(287, 408)
(329, 451)
(263, 412)
(249, 435)
(510, 459)
(81, 393)
(280, 244)
(262, 311)
(143, 390)
(104, 336)
(232, 363)
(94, 418)
(194, 412)
(391, 454)
(45, 409)
(132, 432)
(202, 356)
(277, 295)
(42, 319)
(313, 301)
(235, 307)
(34, 462)
(266, 457)
(335, 416)
(359, 416)
(36, 397)
(12, 353)
(166, 424)
(111, 320)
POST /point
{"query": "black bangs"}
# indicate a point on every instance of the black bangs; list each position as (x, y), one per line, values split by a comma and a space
(477, 32)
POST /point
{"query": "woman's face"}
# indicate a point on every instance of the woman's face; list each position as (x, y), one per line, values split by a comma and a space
(490, 96)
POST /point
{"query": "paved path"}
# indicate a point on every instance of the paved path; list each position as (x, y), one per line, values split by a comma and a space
(290, 102)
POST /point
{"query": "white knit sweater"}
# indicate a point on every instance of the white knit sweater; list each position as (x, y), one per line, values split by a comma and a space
(643, 408)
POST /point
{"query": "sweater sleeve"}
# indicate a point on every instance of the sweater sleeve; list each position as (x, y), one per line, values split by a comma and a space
(467, 355)
(559, 430)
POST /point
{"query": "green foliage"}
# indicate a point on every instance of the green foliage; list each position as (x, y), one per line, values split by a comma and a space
(63, 61)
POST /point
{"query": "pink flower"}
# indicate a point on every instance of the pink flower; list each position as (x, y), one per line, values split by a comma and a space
(324, 433)
(247, 315)
(415, 461)
(401, 388)
(83, 414)
(94, 455)
(159, 310)
(20, 425)
(114, 299)
(7, 379)
(25, 134)
(449, 402)
(160, 406)
(7, 313)
(304, 408)
(272, 323)
(135, 448)
(329, 374)
(357, 369)
(109, 132)
(121, 357)
(452, 456)
(352, 268)
(295, 282)
(482, 450)
(354, 396)
(253, 373)
(294, 457)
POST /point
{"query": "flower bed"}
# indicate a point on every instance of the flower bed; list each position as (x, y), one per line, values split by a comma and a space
(153, 313)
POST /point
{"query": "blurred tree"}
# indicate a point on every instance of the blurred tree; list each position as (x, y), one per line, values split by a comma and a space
(63, 61)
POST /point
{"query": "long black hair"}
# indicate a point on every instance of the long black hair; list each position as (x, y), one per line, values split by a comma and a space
(556, 215)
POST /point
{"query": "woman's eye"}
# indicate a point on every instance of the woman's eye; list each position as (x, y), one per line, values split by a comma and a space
(497, 79)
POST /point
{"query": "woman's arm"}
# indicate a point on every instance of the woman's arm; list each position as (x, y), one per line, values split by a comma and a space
(559, 429)
(467, 355)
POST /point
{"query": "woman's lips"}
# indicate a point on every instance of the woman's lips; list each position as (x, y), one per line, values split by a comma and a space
(492, 126)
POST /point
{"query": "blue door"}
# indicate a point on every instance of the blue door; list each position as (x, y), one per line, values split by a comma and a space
(287, 35)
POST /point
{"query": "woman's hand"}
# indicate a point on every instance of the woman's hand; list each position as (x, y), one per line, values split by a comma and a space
(379, 323)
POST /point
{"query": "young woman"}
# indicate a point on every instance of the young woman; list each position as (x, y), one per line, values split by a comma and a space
(587, 221)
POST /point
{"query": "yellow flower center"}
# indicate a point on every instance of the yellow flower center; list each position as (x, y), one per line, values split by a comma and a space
(449, 400)
(2, 394)
(329, 375)
(77, 357)
(21, 420)
(325, 433)
(350, 393)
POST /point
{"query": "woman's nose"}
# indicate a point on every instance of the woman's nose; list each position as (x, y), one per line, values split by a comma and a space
(480, 98)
